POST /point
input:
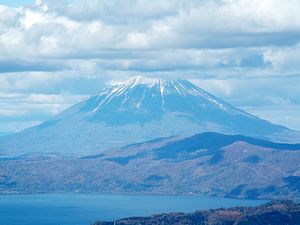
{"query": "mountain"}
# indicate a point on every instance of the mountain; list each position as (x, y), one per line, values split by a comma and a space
(137, 110)
(273, 213)
(205, 164)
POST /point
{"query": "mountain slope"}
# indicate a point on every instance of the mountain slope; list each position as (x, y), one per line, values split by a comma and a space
(237, 166)
(138, 110)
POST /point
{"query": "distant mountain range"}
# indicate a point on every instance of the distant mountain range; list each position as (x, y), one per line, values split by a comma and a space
(274, 213)
(138, 110)
(206, 164)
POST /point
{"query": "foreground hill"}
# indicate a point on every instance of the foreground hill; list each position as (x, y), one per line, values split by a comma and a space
(138, 110)
(206, 164)
(275, 213)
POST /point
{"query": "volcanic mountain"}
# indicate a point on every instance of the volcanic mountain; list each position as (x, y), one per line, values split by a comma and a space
(137, 110)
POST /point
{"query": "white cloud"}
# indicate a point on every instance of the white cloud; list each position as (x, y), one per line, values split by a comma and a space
(237, 49)
(31, 18)
(18, 111)
(284, 58)
(168, 24)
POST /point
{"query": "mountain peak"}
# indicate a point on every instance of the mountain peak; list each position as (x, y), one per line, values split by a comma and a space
(143, 89)
(146, 80)
(181, 87)
(136, 110)
(138, 80)
(121, 86)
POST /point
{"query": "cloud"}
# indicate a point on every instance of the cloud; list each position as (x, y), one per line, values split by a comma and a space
(239, 50)
(284, 58)
(72, 83)
(126, 35)
(50, 29)
(19, 111)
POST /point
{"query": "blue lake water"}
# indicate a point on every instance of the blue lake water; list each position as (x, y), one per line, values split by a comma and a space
(84, 209)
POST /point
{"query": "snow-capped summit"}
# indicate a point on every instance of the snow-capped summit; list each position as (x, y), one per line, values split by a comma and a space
(136, 80)
(140, 100)
(137, 110)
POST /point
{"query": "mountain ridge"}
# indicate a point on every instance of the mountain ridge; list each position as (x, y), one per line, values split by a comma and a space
(188, 166)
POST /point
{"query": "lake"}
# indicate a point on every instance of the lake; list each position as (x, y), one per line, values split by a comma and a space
(84, 209)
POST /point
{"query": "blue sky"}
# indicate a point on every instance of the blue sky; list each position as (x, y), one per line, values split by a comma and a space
(16, 3)
(53, 53)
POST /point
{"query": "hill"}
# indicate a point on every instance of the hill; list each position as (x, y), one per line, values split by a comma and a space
(274, 213)
(205, 164)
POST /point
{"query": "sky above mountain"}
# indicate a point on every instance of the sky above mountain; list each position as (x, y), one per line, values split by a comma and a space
(55, 52)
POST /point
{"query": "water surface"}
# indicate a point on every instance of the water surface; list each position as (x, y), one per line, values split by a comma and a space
(84, 209)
